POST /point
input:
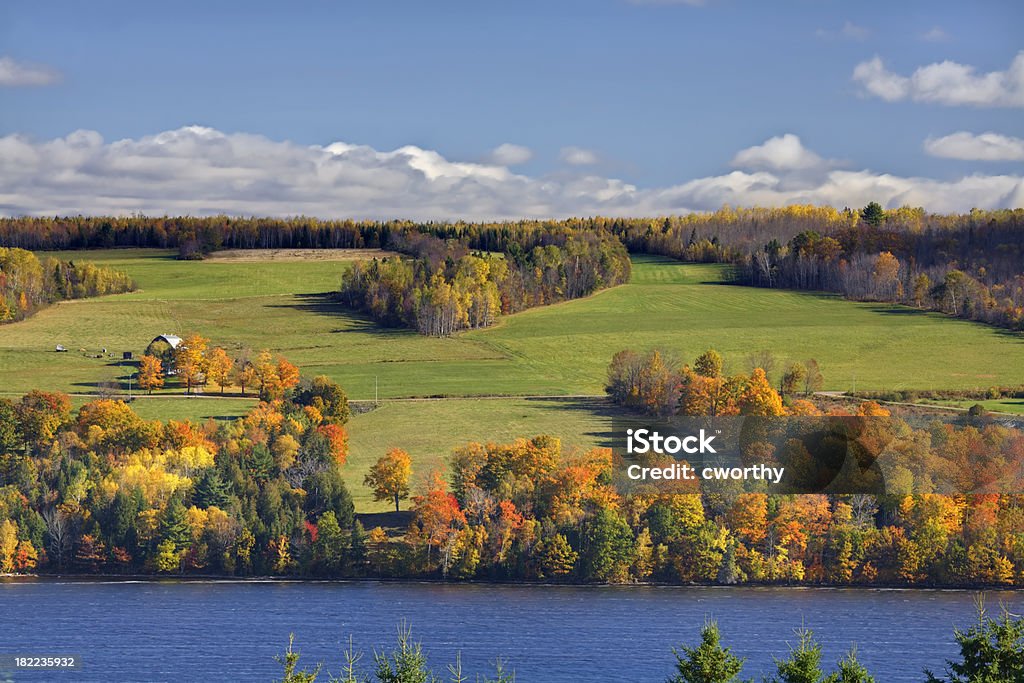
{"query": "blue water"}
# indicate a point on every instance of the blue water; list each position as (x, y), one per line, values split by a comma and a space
(227, 631)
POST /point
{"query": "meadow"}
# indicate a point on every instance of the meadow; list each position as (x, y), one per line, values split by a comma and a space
(555, 350)
(561, 350)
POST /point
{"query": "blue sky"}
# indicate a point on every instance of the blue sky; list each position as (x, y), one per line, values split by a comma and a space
(653, 94)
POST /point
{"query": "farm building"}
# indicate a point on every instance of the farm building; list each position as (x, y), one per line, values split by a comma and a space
(163, 347)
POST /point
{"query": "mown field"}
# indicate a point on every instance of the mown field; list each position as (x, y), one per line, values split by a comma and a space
(285, 305)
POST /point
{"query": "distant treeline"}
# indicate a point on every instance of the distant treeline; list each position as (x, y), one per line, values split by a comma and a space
(445, 288)
(968, 265)
(27, 284)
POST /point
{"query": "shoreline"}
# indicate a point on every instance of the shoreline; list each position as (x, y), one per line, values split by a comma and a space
(216, 578)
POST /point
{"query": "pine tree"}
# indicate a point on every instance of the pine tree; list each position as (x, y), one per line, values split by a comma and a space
(174, 525)
(991, 651)
(357, 546)
(851, 671)
(709, 662)
(804, 663)
(211, 490)
(406, 664)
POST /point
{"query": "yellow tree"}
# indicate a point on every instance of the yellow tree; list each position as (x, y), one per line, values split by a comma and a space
(218, 367)
(190, 359)
(151, 373)
(265, 371)
(244, 374)
(758, 397)
(8, 545)
(389, 476)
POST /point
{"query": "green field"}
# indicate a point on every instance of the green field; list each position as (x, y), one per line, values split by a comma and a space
(561, 349)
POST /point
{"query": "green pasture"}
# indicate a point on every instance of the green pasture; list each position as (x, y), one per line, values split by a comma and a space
(555, 350)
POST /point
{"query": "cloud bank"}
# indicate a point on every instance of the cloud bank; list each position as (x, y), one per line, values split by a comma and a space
(971, 147)
(946, 83)
(202, 171)
(15, 74)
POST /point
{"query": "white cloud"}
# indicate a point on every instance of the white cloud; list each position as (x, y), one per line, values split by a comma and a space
(945, 82)
(202, 171)
(578, 156)
(781, 153)
(14, 74)
(508, 154)
(971, 147)
(849, 31)
(935, 35)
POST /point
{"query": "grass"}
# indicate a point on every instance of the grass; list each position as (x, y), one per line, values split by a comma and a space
(1014, 406)
(579, 423)
(560, 349)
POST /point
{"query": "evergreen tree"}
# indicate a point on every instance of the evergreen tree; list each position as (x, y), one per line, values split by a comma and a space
(406, 664)
(851, 670)
(804, 662)
(991, 651)
(290, 663)
(357, 546)
(174, 524)
(211, 490)
(873, 213)
(709, 662)
(329, 547)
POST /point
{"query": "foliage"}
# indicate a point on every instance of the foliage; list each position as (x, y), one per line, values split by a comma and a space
(389, 476)
(991, 651)
(28, 284)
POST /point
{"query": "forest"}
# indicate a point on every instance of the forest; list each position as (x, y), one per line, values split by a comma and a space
(445, 288)
(28, 284)
(964, 265)
(100, 490)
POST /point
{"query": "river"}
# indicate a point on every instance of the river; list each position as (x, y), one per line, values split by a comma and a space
(227, 631)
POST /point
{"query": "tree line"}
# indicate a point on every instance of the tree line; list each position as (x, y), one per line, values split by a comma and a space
(102, 490)
(966, 265)
(990, 651)
(194, 363)
(28, 283)
(444, 288)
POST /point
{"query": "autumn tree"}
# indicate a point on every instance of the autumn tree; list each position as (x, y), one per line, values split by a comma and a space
(151, 373)
(218, 367)
(758, 397)
(244, 374)
(708, 364)
(190, 360)
(793, 379)
(389, 476)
